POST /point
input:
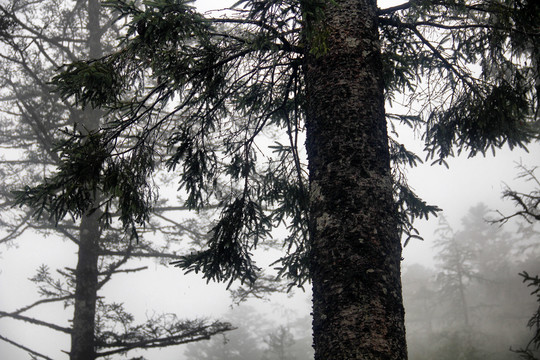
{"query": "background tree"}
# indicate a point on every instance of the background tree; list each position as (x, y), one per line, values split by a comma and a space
(530, 351)
(456, 255)
(286, 66)
(279, 343)
(476, 276)
(43, 35)
(422, 309)
(527, 205)
(256, 336)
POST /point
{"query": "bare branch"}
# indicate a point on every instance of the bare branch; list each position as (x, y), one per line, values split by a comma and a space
(36, 322)
(35, 353)
(40, 35)
(17, 231)
(155, 254)
(393, 9)
(39, 302)
(113, 267)
(127, 270)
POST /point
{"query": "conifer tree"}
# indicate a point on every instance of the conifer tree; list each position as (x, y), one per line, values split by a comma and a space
(211, 86)
(527, 208)
(35, 37)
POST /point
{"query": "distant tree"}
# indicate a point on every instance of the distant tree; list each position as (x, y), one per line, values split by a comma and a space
(302, 349)
(531, 351)
(456, 253)
(209, 87)
(242, 343)
(279, 343)
(256, 337)
(528, 208)
(455, 310)
(422, 304)
(42, 35)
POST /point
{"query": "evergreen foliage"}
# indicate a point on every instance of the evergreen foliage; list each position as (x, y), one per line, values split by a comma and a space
(33, 122)
(210, 87)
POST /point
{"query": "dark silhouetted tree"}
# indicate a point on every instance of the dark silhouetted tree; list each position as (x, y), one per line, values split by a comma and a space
(36, 38)
(210, 87)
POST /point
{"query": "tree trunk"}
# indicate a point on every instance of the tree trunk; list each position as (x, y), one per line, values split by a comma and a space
(86, 273)
(82, 337)
(355, 248)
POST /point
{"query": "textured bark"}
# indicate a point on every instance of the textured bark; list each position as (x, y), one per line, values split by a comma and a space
(354, 238)
(82, 337)
(86, 273)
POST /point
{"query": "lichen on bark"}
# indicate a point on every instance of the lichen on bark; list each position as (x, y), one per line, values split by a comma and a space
(354, 236)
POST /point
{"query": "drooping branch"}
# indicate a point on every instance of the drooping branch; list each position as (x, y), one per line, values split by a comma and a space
(450, 67)
(183, 336)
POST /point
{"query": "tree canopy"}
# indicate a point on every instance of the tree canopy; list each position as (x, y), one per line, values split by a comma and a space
(210, 87)
(225, 100)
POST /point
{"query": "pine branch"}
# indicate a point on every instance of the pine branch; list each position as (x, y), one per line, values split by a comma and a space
(127, 270)
(203, 333)
(287, 46)
(113, 267)
(471, 26)
(451, 68)
(192, 232)
(67, 234)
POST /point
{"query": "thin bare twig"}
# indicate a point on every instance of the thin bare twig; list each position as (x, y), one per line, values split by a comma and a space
(36, 322)
(33, 352)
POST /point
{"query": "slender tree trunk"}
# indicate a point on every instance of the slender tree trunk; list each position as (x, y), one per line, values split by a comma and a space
(82, 337)
(462, 298)
(86, 273)
(354, 237)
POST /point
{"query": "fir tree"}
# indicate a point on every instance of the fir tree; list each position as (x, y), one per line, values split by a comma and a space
(211, 87)
(35, 37)
(527, 205)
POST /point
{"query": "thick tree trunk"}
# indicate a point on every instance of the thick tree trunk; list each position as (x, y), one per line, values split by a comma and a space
(86, 273)
(354, 237)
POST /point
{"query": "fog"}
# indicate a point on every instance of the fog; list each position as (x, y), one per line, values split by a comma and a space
(499, 304)
(482, 318)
